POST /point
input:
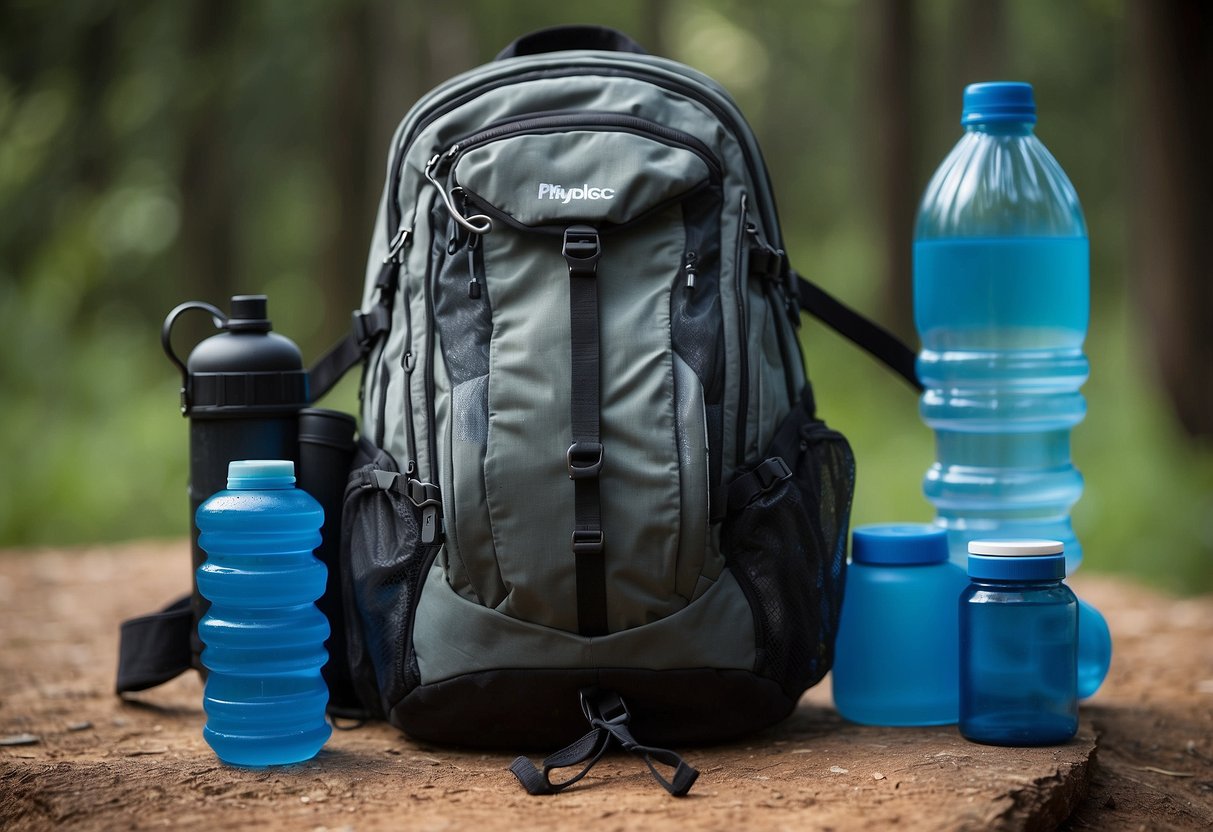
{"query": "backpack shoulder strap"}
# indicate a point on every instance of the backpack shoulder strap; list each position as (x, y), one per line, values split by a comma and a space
(365, 330)
(863, 332)
(155, 648)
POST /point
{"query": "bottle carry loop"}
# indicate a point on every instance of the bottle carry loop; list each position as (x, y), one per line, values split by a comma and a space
(166, 341)
(609, 716)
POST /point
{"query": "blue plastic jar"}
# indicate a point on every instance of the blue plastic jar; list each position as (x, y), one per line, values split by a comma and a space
(1018, 645)
(896, 651)
(263, 636)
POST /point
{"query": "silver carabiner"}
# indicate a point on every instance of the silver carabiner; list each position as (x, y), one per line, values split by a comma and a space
(477, 223)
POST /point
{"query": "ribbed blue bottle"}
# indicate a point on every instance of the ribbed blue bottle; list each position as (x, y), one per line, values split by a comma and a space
(263, 635)
(1001, 304)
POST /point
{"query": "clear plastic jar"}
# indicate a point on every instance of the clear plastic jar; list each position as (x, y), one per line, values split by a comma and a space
(1018, 645)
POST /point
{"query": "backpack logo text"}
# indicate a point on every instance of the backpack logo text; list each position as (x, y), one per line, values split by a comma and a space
(567, 195)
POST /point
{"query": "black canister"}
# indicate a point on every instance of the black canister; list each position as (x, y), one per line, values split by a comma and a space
(326, 451)
(241, 390)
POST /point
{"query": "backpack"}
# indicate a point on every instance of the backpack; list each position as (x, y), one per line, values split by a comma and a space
(591, 483)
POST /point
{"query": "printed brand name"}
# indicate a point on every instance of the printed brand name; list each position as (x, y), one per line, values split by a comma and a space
(567, 195)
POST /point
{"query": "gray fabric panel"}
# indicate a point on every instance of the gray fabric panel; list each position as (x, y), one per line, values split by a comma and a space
(773, 401)
(453, 636)
(641, 492)
(693, 478)
(516, 175)
(527, 489)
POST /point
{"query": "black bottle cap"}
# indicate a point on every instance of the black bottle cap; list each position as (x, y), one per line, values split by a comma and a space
(249, 314)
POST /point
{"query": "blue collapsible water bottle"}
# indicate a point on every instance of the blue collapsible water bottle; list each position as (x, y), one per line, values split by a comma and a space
(1001, 303)
(263, 635)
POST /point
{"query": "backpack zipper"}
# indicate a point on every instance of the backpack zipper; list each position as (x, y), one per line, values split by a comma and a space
(743, 382)
(408, 362)
(441, 108)
(538, 124)
(430, 395)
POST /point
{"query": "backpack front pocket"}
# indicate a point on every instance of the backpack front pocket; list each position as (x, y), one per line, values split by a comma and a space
(647, 200)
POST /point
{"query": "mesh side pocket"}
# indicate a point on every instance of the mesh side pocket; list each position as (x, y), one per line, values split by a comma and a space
(787, 549)
(386, 563)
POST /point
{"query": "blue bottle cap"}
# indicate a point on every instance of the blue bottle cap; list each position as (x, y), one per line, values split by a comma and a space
(899, 544)
(1017, 560)
(998, 101)
(260, 473)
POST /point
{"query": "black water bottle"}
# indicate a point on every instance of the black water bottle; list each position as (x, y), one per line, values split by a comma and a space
(241, 390)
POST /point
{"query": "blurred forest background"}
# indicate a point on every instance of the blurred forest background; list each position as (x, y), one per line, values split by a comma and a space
(152, 153)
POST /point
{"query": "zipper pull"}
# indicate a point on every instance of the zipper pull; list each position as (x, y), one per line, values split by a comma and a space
(689, 268)
(397, 245)
(473, 273)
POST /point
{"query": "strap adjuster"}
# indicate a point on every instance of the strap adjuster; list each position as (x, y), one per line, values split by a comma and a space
(581, 250)
(772, 471)
(588, 541)
(367, 326)
(584, 460)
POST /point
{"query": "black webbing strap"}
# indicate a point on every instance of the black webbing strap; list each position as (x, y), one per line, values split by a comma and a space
(365, 330)
(866, 334)
(581, 251)
(331, 367)
(153, 649)
(609, 717)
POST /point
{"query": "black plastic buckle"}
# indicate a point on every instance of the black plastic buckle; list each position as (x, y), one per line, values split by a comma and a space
(604, 707)
(367, 326)
(588, 541)
(582, 248)
(422, 494)
(584, 459)
(770, 472)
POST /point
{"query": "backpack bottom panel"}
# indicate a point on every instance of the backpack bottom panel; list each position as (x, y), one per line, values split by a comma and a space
(540, 710)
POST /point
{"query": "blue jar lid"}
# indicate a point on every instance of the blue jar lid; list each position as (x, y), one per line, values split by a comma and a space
(998, 101)
(243, 474)
(899, 544)
(1017, 560)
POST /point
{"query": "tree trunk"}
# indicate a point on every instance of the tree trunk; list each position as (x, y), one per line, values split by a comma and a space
(348, 143)
(891, 113)
(1172, 186)
(209, 205)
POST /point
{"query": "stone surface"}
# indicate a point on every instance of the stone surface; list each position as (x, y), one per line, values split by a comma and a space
(143, 764)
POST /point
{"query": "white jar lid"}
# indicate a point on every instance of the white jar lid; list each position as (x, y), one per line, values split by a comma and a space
(1016, 548)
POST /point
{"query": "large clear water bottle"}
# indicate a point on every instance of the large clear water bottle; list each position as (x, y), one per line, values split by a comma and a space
(263, 635)
(1001, 303)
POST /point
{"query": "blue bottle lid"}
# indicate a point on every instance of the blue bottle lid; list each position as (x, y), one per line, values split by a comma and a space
(998, 101)
(245, 474)
(899, 544)
(1017, 560)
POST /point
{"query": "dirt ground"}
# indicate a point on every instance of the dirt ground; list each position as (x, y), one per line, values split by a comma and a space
(74, 756)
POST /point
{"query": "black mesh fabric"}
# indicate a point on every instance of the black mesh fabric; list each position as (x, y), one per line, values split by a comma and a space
(464, 323)
(787, 549)
(386, 563)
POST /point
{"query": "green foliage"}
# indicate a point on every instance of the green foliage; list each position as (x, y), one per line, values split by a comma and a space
(98, 101)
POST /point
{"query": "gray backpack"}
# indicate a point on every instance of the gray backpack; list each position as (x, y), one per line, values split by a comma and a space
(592, 480)
(591, 484)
